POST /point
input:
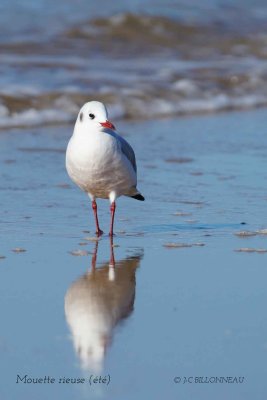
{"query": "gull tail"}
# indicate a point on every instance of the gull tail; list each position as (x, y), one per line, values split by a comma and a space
(138, 197)
(135, 194)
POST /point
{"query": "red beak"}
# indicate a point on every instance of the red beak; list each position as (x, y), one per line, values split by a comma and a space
(107, 124)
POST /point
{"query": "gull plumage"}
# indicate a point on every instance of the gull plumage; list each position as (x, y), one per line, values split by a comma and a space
(100, 161)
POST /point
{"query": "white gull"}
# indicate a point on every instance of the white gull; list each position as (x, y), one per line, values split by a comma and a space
(100, 161)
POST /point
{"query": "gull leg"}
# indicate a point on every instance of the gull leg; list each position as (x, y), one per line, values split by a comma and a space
(112, 259)
(112, 210)
(94, 256)
(94, 207)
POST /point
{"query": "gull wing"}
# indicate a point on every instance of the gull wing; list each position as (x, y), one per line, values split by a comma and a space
(127, 151)
(126, 148)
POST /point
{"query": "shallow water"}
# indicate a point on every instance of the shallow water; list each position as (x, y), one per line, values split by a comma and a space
(180, 302)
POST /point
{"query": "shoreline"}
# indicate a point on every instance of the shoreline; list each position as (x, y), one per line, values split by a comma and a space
(126, 120)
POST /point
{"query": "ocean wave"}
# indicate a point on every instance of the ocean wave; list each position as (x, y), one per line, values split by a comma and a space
(64, 109)
(142, 32)
(141, 66)
(127, 33)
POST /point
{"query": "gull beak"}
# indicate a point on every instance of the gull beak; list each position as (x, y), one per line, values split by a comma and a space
(107, 124)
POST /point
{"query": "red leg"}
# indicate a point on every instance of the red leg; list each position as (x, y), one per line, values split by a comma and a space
(112, 259)
(94, 207)
(94, 256)
(112, 210)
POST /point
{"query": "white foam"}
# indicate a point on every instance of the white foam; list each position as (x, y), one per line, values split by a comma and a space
(64, 109)
(3, 111)
(32, 117)
(185, 86)
(66, 104)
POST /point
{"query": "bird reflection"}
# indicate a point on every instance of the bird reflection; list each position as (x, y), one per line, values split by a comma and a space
(98, 302)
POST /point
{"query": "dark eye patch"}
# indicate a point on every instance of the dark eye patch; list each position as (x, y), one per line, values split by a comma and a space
(92, 116)
(81, 116)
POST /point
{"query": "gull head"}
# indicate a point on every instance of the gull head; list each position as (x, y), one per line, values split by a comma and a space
(94, 115)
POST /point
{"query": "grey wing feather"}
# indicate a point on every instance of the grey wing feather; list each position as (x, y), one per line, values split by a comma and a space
(128, 152)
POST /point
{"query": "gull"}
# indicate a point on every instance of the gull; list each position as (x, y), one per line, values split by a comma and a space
(97, 303)
(100, 161)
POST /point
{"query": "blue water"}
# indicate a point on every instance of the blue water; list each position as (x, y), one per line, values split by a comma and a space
(46, 17)
(144, 59)
(188, 312)
(163, 312)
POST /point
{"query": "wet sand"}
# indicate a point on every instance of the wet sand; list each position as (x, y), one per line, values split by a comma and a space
(187, 295)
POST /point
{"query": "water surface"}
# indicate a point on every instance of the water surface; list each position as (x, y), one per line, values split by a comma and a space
(195, 58)
(162, 312)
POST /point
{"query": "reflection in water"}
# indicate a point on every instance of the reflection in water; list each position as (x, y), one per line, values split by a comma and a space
(96, 303)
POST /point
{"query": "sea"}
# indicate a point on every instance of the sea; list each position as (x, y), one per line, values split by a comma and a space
(145, 59)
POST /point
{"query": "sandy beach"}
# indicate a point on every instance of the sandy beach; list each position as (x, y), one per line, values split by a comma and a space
(190, 262)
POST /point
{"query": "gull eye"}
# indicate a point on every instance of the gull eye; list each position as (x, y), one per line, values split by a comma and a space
(92, 116)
